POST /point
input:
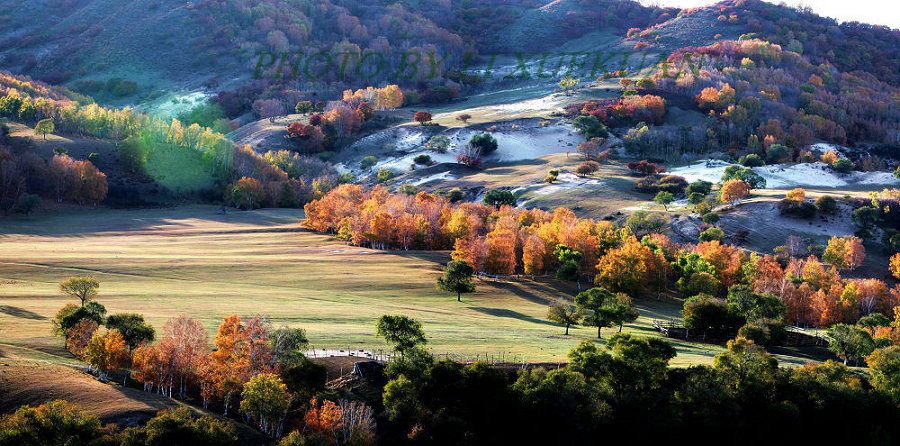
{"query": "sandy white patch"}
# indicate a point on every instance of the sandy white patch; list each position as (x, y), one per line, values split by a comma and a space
(786, 176)
(565, 181)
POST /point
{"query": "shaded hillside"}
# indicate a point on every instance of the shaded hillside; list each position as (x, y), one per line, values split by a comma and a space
(849, 46)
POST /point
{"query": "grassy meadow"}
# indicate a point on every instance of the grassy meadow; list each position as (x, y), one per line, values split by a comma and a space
(208, 264)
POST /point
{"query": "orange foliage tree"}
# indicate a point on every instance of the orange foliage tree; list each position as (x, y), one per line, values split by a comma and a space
(79, 336)
(107, 352)
(845, 252)
(733, 191)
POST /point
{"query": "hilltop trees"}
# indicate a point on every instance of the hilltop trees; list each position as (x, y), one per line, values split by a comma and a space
(457, 278)
(635, 259)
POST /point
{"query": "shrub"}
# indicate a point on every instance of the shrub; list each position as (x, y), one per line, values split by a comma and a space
(587, 168)
(422, 159)
(711, 218)
(703, 312)
(53, 423)
(499, 198)
(178, 426)
(711, 234)
(455, 195)
(752, 160)
(368, 162)
(776, 153)
(346, 178)
(843, 165)
(590, 127)
(422, 117)
(484, 142)
(645, 167)
(408, 189)
(803, 209)
(696, 198)
(385, 175)
(27, 203)
(438, 143)
(672, 184)
(699, 186)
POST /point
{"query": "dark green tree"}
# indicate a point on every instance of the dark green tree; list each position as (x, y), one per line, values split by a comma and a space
(568, 263)
(288, 345)
(591, 302)
(403, 332)
(457, 278)
(484, 142)
(850, 342)
(499, 198)
(133, 328)
(590, 127)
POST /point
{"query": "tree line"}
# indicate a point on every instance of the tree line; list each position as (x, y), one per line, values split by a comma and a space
(633, 258)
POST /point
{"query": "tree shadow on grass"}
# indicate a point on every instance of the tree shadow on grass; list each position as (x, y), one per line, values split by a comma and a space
(529, 290)
(503, 312)
(820, 354)
(21, 313)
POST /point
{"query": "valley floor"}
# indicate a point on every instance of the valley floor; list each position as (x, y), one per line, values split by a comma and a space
(208, 264)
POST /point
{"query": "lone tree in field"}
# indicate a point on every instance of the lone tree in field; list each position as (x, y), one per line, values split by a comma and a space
(457, 278)
(82, 288)
(564, 314)
(403, 332)
(733, 191)
(422, 117)
(664, 198)
(567, 83)
(44, 126)
(464, 118)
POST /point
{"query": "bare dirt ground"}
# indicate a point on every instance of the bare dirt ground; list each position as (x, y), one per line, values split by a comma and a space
(34, 379)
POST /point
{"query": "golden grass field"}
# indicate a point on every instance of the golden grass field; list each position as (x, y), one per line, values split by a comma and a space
(206, 264)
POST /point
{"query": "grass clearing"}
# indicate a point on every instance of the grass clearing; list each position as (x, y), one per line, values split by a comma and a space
(179, 169)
